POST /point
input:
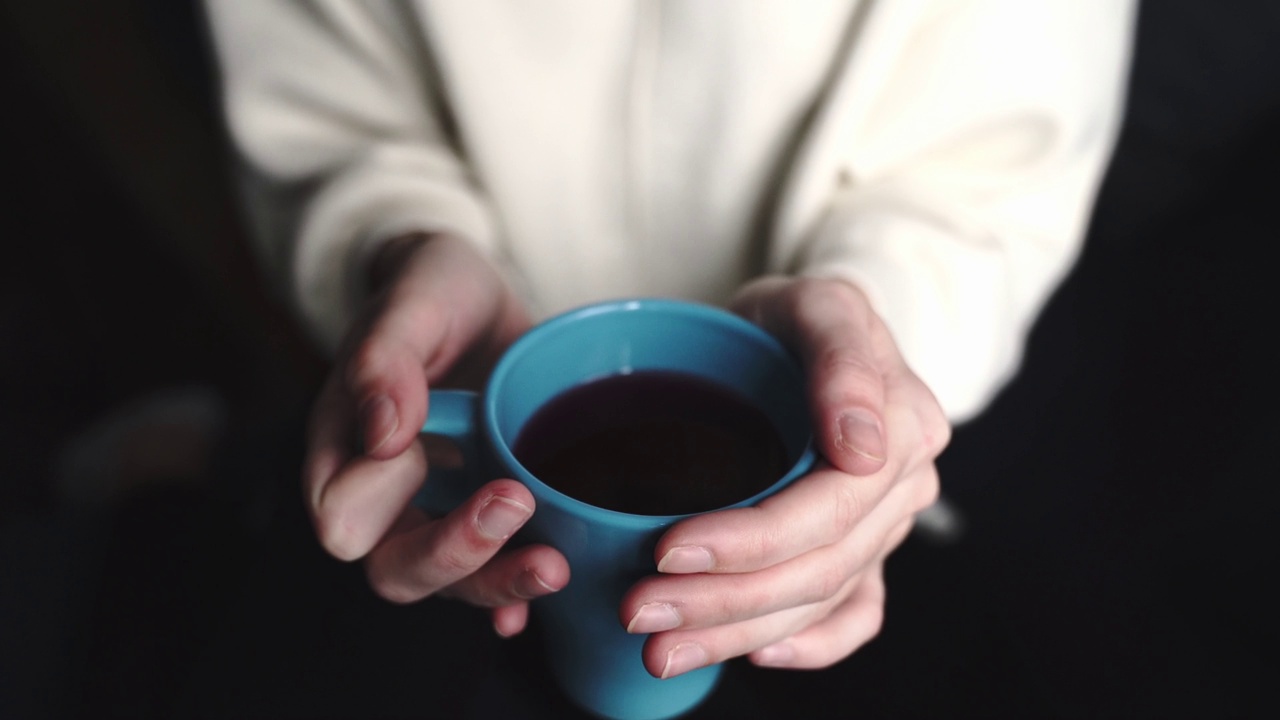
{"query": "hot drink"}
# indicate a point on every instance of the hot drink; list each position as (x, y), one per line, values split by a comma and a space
(653, 443)
(717, 417)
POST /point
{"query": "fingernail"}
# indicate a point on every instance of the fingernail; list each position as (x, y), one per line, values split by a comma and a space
(686, 559)
(379, 418)
(529, 586)
(682, 658)
(654, 617)
(498, 630)
(775, 655)
(859, 432)
(501, 517)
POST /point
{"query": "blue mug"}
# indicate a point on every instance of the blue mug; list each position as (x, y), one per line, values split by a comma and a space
(596, 662)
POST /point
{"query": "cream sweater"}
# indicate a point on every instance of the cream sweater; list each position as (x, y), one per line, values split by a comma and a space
(941, 154)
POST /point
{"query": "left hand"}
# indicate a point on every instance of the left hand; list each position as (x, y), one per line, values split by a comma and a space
(797, 581)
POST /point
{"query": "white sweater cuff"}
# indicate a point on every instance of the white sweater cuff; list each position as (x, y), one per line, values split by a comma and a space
(393, 191)
(947, 303)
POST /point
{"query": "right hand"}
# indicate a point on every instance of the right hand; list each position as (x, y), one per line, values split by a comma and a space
(438, 312)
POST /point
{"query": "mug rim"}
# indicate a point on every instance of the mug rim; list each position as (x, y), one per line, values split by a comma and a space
(679, 308)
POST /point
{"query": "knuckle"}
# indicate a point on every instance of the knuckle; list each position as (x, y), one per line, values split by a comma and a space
(747, 602)
(727, 605)
(929, 488)
(797, 293)
(388, 587)
(937, 436)
(824, 658)
(847, 508)
(366, 354)
(860, 625)
(847, 362)
(828, 297)
(761, 546)
(935, 428)
(899, 533)
(366, 359)
(875, 624)
(339, 538)
(480, 592)
(826, 292)
(826, 583)
(452, 561)
(838, 648)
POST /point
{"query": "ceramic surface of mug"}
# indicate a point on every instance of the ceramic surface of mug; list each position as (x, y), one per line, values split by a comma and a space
(595, 660)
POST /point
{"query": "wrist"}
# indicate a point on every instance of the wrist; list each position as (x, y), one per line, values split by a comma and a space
(757, 296)
(388, 262)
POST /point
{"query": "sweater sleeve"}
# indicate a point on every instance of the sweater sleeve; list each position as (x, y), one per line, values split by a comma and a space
(967, 178)
(344, 139)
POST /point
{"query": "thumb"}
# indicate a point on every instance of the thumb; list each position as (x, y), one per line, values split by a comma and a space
(846, 405)
(846, 390)
(444, 300)
(389, 390)
(828, 323)
(386, 375)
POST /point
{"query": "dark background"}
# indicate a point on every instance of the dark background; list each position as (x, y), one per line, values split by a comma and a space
(1119, 496)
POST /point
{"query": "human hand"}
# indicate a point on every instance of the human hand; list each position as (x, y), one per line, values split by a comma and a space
(797, 581)
(439, 313)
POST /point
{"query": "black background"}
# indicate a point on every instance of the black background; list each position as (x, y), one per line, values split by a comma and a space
(1119, 496)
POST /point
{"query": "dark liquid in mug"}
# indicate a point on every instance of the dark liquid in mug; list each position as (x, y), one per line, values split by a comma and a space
(652, 443)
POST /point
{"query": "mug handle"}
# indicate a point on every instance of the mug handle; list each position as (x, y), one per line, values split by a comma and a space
(454, 415)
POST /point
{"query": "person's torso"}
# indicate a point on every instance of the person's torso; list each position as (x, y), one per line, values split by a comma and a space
(633, 148)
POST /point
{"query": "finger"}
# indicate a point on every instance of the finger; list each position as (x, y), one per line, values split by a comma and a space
(896, 536)
(852, 624)
(423, 556)
(356, 507)
(514, 576)
(446, 298)
(816, 510)
(662, 603)
(935, 428)
(831, 325)
(669, 654)
(328, 441)
(510, 620)
(388, 387)
(846, 381)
